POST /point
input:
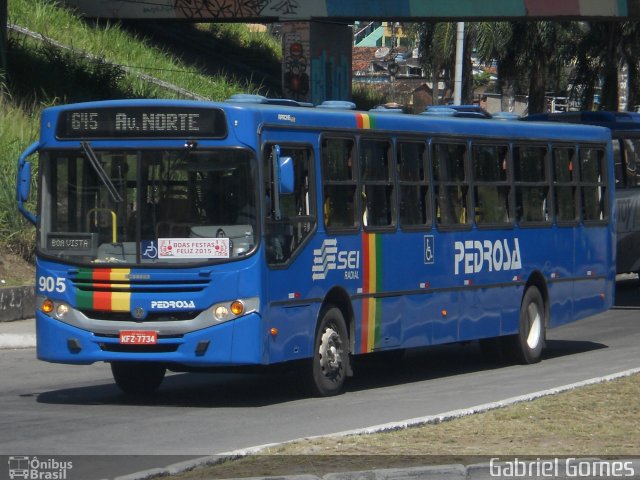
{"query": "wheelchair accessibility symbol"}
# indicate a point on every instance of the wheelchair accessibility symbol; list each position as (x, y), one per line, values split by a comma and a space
(429, 249)
(148, 249)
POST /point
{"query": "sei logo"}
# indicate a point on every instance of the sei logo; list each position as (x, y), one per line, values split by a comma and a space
(328, 257)
(51, 284)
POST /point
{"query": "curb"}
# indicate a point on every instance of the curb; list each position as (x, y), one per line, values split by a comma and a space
(540, 468)
(17, 340)
(17, 303)
(479, 471)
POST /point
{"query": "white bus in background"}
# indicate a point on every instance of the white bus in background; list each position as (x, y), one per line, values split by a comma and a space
(625, 130)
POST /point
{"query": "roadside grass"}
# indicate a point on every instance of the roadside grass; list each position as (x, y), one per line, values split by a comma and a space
(106, 61)
(260, 46)
(601, 420)
(114, 44)
(18, 129)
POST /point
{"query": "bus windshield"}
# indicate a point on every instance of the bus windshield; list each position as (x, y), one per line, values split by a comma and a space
(148, 206)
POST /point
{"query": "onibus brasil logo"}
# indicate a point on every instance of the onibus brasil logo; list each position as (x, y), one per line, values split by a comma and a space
(34, 468)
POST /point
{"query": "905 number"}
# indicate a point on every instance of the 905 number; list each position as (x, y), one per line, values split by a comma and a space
(51, 284)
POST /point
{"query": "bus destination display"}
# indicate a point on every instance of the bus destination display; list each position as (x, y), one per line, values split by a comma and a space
(142, 122)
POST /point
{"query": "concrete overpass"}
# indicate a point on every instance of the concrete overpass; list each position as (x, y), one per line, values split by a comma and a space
(316, 38)
(349, 10)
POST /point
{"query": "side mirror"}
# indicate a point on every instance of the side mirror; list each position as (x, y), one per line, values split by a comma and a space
(23, 187)
(285, 175)
(24, 182)
(283, 181)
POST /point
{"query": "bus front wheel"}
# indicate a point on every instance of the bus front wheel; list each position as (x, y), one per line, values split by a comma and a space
(330, 362)
(526, 346)
(138, 378)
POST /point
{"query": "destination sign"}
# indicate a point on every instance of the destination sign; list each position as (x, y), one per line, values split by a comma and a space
(81, 242)
(142, 122)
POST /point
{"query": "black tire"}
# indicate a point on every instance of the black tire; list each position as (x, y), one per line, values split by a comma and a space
(330, 362)
(138, 378)
(526, 347)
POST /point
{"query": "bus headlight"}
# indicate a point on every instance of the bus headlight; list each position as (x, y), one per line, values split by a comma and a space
(225, 311)
(54, 309)
(221, 312)
(62, 310)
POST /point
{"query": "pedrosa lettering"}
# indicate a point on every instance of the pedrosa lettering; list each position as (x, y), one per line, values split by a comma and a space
(172, 304)
(475, 256)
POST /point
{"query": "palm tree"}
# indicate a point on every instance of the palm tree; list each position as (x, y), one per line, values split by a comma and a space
(601, 51)
(535, 48)
(437, 46)
(533, 56)
(492, 40)
(527, 55)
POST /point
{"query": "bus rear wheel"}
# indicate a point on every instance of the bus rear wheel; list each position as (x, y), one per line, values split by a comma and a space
(526, 346)
(138, 378)
(330, 362)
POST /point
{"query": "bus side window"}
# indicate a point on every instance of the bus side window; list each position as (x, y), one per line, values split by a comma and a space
(621, 165)
(631, 158)
(376, 187)
(532, 186)
(413, 178)
(491, 184)
(285, 236)
(592, 184)
(450, 182)
(564, 185)
(339, 185)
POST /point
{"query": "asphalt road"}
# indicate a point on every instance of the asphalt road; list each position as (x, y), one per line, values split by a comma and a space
(50, 409)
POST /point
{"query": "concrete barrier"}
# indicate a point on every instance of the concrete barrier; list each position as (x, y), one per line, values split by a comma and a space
(17, 303)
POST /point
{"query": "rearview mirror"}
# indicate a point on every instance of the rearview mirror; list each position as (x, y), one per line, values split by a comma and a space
(285, 175)
(23, 187)
(283, 182)
(24, 182)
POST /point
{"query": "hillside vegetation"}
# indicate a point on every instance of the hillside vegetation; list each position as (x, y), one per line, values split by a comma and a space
(54, 56)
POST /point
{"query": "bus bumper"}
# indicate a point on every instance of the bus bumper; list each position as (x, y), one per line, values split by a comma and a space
(237, 342)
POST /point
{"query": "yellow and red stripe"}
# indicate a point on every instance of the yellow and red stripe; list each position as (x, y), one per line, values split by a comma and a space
(365, 121)
(109, 290)
(372, 284)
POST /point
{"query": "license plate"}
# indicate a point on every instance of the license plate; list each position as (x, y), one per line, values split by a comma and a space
(138, 337)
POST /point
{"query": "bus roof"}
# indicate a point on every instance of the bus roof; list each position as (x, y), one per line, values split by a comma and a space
(292, 114)
(608, 119)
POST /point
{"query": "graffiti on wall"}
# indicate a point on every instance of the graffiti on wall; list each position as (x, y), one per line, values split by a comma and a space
(331, 77)
(316, 63)
(251, 10)
(234, 8)
(296, 39)
(330, 62)
(296, 78)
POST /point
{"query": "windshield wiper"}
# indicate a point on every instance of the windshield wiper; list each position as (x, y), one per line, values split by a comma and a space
(102, 174)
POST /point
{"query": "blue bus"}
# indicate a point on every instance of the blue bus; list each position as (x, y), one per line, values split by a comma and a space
(625, 130)
(189, 236)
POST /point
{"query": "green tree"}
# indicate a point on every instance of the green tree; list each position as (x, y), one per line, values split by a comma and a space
(601, 51)
(437, 46)
(492, 41)
(526, 53)
(533, 58)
